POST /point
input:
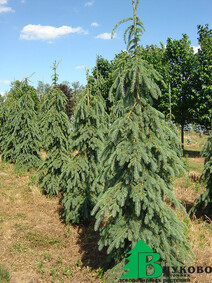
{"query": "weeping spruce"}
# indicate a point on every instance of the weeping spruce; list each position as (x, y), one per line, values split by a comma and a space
(56, 138)
(8, 142)
(203, 204)
(21, 143)
(139, 165)
(2, 123)
(80, 175)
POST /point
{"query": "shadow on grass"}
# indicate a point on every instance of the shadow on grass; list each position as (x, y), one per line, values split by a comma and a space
(192, 153)
(88, 241)
(187, 204)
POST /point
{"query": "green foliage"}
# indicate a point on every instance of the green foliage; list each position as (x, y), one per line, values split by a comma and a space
(182, 63)
(70, 99)
(156, 56)
(13, 94)
(80, 176)
(142, 164)
(56, 132)
(42, 90)
(133, 32)
(22, 137)
(4, 275)
(2, 122)
(203, 79)
(139, 164)
(103, 72)
(204, 202)
(8, 143)
(78, 91)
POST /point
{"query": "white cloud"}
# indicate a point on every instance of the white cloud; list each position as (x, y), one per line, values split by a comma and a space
(196, 48)
(7, 82)
(23, 1)
(38, 32)
(94, 24)
(5, 9)
(105, 36)
(90, 3)
(80, 67)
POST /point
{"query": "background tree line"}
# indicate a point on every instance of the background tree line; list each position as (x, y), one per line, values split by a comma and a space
(185, 80)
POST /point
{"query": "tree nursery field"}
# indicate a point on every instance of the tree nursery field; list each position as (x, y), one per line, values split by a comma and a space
(112, 176)
(36, 246)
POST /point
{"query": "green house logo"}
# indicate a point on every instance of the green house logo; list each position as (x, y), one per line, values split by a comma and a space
(142, 263)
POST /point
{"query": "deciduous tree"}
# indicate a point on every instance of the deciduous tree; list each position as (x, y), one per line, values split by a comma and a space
(203, 78)
(182, 63)
(70, 99)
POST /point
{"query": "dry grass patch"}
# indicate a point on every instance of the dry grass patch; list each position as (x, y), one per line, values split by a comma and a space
(199, 232)
(35, 245)
(197, 142)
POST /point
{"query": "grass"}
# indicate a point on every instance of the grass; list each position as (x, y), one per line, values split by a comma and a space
(197, 167)
(197, 142)
(187, 189)
(39, 240)
(37, 247)
(4, 275)
(34, 243)
(18, 248)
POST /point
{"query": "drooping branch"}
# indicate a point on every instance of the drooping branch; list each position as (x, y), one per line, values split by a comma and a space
(134, 31)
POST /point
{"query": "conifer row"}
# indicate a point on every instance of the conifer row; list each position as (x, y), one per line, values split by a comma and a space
(118, 169)
(20, 136)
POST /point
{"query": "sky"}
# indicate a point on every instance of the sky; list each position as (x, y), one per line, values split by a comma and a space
(35, 33)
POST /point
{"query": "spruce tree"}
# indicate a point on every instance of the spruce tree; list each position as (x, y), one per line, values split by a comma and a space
(80, 176)
(203, 204)
(8, 141)
(44, 108)
(56, 134)
(22, 137)
(139, 166)
(2, 122)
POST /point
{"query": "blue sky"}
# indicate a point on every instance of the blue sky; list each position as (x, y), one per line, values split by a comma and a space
(34, 33)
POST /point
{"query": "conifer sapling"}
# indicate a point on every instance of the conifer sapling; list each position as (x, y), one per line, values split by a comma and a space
(56, 137)
(139, 165)
(22, 139)
(80, 176)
